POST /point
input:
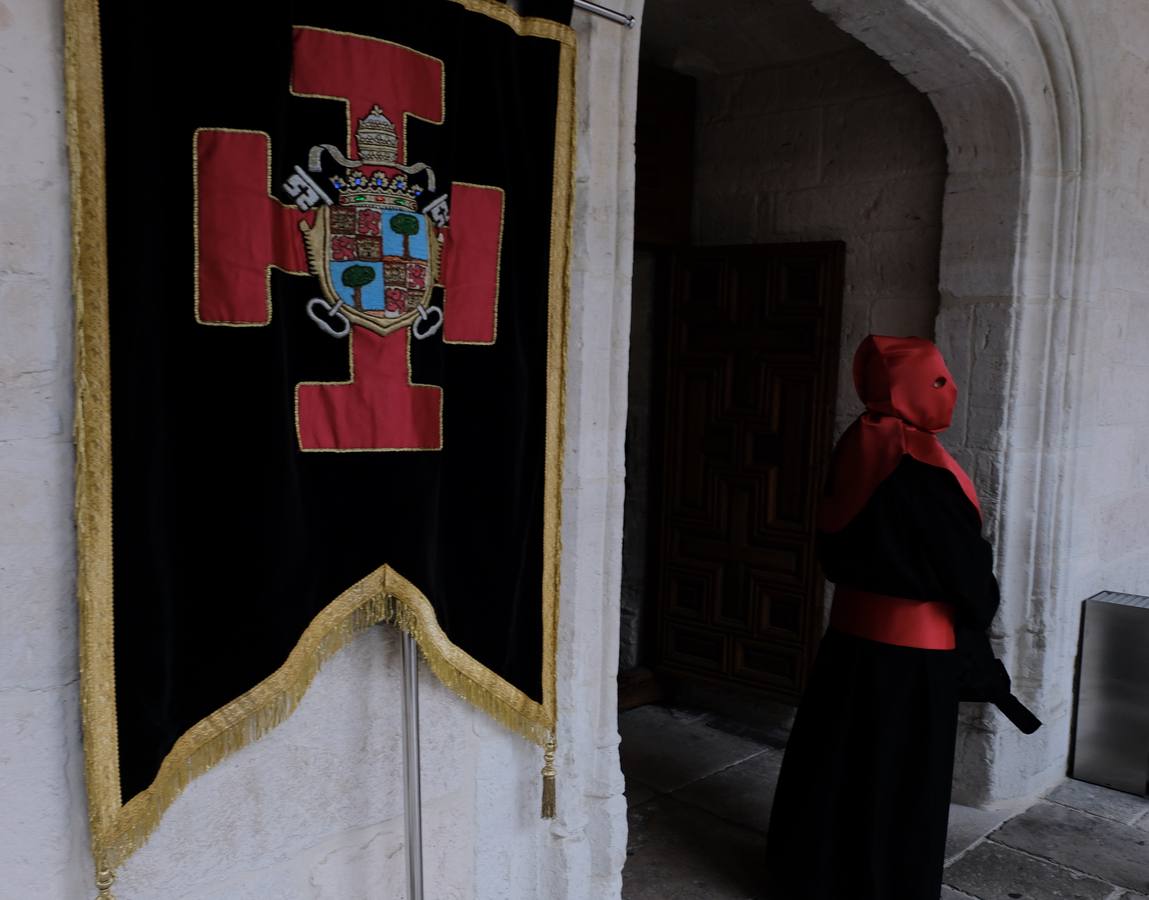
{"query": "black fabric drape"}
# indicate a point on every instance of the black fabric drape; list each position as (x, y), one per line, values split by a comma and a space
(228, 540)
(558, 10)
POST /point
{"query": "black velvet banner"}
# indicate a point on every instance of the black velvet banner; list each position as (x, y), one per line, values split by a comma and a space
(337, 241)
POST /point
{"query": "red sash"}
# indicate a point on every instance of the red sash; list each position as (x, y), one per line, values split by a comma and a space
(925, 624)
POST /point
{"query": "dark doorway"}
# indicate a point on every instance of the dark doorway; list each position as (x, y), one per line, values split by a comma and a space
(727, 438)
(747, 384)
(789, 189)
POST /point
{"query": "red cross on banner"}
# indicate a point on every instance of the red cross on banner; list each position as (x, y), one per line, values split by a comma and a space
(243, 231)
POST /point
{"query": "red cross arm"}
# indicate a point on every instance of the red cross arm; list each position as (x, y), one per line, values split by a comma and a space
(367, 72)
(241, 230)
(471, 255)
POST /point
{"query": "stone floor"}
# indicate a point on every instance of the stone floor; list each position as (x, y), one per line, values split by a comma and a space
(700, 788)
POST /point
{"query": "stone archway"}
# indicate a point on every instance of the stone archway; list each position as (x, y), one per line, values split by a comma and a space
(1003, 79)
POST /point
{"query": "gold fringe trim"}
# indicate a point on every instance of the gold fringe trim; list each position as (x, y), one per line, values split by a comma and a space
(93, 424)
(524, 26)
(558, 327)
(384, 596)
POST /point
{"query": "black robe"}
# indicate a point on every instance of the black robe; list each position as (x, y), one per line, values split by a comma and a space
(862, 801)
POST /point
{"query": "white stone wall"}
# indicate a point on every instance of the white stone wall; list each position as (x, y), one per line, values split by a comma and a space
(837, 148)
(43, 818)
(1109, 545)
(314, 810)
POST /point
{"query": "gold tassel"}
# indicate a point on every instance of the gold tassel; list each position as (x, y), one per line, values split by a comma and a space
(549, 779)
(104, 879)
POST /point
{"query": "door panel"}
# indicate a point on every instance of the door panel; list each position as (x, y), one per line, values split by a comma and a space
(751, 358)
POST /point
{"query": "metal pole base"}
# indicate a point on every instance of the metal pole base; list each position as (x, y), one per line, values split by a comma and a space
(413, 802)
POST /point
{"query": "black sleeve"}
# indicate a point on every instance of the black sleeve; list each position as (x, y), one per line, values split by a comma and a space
(948, 532)
(963, 560)
(982, 678)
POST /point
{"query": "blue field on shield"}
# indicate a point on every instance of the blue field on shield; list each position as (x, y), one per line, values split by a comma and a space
(370, 294)
(393, 241)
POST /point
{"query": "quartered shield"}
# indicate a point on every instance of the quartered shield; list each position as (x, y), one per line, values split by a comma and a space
(375, 254)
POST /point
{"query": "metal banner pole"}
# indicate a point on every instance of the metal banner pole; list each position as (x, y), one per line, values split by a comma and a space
(413, 802)
(606, 12)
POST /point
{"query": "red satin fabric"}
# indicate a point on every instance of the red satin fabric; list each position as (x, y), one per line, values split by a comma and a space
(925, 624)
(897, 378)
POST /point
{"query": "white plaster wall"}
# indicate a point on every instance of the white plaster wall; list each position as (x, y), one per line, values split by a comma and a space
(1109, 545)
(43, 831)
(840, 147)
(314, 810)
(1106, 541)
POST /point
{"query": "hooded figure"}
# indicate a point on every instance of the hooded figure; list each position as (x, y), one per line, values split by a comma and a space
(862, 801)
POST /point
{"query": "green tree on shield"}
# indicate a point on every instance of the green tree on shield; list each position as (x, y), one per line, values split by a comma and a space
(406, 225)
(355, 277)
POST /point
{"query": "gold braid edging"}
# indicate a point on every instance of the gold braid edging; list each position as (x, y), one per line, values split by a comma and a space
(93, 424)
(383, 597)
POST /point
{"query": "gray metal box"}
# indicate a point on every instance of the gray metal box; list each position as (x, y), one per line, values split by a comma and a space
(1111, 747)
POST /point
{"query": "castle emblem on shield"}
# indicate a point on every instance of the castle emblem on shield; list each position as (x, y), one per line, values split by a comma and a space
(375, 246)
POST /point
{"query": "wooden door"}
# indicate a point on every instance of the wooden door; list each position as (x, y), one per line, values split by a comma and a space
(751, 358)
